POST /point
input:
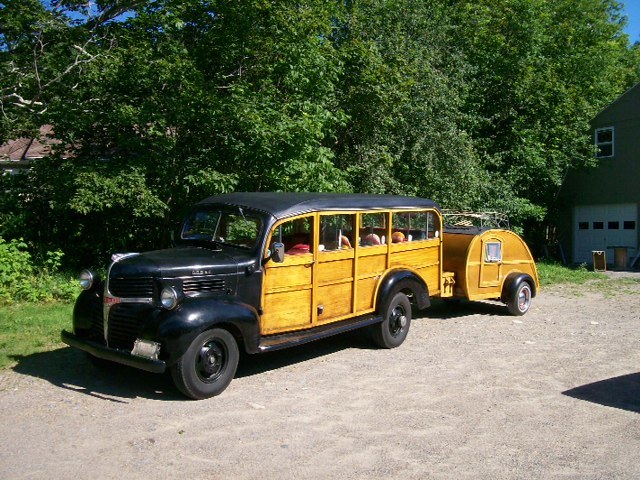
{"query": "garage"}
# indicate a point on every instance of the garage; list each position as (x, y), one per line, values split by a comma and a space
(603, 227)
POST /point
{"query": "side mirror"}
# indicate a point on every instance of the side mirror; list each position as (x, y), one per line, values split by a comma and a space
(277, 252)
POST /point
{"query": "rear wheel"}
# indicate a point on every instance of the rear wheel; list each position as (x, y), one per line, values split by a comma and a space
(208, 365)
(397, 320)
(520, 301)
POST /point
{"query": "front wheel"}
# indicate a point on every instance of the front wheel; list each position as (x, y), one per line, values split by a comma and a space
(208, 365)
(519, 303)
(395, 325)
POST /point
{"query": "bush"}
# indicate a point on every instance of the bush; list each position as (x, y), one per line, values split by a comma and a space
(22, 280)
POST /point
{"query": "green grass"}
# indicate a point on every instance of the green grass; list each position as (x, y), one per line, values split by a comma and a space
(553, 273)
(30, 328)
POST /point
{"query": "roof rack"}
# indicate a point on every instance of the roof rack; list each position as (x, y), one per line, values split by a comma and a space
(481, 220)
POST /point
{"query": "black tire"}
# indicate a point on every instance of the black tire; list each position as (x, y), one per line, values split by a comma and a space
(397, 319)
(208, 366)
(520, 301)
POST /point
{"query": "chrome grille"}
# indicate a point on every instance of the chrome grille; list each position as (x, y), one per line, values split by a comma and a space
(125, 324)
(138, 287)
(206, 284)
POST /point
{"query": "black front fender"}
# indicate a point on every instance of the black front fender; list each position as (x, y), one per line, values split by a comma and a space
(176, 329)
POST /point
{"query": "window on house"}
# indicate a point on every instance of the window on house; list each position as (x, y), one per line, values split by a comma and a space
(604, 142)
(629, 225)
(598, 225)
(613, 225)
(583, 225)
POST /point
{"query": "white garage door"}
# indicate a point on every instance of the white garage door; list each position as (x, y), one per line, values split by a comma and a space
(602, 227)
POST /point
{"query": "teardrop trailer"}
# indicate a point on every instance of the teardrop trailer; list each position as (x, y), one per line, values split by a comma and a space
(263, 271)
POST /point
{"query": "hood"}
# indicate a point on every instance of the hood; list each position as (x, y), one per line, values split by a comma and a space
(176, 262)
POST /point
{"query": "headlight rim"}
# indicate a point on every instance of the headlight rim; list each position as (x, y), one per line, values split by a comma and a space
(87, 279)
(172, 297)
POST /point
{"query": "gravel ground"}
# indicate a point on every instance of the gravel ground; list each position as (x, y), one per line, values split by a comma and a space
(472, 393)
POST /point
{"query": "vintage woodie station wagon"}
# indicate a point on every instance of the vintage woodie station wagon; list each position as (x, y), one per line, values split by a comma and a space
(264, 271)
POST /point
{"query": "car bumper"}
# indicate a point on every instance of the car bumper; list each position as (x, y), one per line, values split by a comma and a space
(118, 356)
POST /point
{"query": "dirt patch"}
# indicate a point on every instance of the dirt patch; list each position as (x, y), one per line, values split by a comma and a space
(472, 393)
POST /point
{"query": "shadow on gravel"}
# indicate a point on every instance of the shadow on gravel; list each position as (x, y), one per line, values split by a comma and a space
(264, 362)
(619, 392)
(73, 370)
(455, 308)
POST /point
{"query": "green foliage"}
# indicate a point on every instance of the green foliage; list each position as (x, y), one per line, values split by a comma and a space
(474, 103)
(26, 329)
(20, 280)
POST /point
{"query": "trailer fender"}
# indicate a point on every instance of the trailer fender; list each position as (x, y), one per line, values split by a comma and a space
(513, 282)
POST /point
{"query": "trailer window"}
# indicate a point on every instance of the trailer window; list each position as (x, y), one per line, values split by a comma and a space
(493, 252)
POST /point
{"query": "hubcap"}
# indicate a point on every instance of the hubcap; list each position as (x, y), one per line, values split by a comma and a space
(398, 321)
(524, 298)
(210, 361)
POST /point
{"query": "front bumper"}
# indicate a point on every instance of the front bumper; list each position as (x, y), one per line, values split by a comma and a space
(118, 356)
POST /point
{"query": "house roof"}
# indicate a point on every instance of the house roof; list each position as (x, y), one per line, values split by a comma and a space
(623, 108)
(22, 149)
(287, 204)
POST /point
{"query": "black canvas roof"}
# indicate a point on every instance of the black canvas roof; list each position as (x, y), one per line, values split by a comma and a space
(287, 204)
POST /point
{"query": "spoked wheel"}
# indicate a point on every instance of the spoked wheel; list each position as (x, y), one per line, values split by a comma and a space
(397, 320)
(208, 365)
(520, 301)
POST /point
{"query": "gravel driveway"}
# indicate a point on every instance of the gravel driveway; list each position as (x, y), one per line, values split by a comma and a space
(472, 393)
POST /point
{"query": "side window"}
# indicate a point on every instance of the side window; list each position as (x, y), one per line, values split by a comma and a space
(413, 226)
(336, 232)
(493, 252)
(373, 229)
(297, 236)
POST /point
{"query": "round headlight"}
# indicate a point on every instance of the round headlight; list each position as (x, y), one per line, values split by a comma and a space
(169, 298)
(87, 279)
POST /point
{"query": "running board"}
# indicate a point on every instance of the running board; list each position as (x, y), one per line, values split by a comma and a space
(286, 340)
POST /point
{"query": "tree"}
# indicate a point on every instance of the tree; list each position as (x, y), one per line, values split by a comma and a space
(403, 89)
(542, 70)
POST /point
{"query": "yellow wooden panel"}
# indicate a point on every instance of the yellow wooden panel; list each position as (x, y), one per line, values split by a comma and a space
(366, 291)
(431, 276)
(371, 265)
(291, 276)
(284, 311)
(335, 271)
(416, 257)
(335, 300)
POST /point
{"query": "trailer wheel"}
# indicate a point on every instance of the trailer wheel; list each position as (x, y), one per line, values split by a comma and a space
(397, 320)
(208, 365)
(520, 301)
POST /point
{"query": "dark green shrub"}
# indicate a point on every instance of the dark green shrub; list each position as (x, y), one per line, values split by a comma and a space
(22, 281)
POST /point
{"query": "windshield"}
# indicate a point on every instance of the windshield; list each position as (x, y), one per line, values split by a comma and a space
(234, 228)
